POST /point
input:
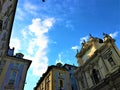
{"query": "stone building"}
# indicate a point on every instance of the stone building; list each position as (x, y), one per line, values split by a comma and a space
(99, 64)
(7, 13)
(73, 81)
(13, 71)
(13, 68)
(58, 77)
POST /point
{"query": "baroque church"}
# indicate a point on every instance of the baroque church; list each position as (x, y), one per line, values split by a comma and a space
(99, 64)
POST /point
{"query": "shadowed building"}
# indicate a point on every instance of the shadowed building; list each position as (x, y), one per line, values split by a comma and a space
(55, 78)
(99, 64)
(13, 68)
(13, 71)
(73, 81)
(58, 77)
(7, 13)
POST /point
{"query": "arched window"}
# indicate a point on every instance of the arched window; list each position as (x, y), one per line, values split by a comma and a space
(96, 76)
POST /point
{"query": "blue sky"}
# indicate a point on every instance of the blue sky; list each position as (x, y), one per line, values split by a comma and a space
(50, 32)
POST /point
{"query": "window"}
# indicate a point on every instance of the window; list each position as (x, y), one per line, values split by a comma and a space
(2, 63)
(47, 83)
(42, 88)
(1, 22)
(69, 68)
(96, 76)
(72, 88)
(0, 71)
(111, 61)
(82, 83)
(61, 84)
(16, 66)
(12, 77)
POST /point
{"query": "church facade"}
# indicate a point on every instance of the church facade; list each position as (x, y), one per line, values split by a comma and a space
(99, 64)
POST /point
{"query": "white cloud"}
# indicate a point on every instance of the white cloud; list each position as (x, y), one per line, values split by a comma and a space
(69, 25)
(24, 33)
(30, 7)
(59, 59)
(75, 47)
(113, 35)
(34, 43)
(48, 23)
(15, 42)
(38, 44)
(20, 14)
(84, 38)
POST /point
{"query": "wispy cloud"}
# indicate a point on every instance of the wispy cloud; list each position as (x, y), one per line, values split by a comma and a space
(15, 42)
(69, 25)
(81, 40)
(37, 46)
(84, 38)
(75, 47)
(30, 8)
(37, 40)
(26, 9)
(113, 35)
(59, 59)
(20, 14)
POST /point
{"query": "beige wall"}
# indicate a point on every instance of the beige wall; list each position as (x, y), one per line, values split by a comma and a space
(91, 59)
(52, 79)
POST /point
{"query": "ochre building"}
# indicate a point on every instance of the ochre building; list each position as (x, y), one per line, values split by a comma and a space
(55, 78)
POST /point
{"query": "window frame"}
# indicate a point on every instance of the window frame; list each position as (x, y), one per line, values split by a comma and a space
(111, 61)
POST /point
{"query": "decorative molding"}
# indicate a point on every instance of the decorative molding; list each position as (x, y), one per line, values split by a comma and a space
(107, 53)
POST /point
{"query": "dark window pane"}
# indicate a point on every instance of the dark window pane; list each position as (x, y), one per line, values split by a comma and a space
(1, 22)
(111, 61)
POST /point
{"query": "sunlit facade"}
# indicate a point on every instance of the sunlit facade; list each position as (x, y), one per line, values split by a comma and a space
(55, 78)
(99, 64)
(13, 68)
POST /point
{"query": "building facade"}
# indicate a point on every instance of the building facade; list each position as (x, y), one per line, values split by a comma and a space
(99, 64)
(58, 77)
(7, 13)
(13, 68)
(72, 78)
(13, 71)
